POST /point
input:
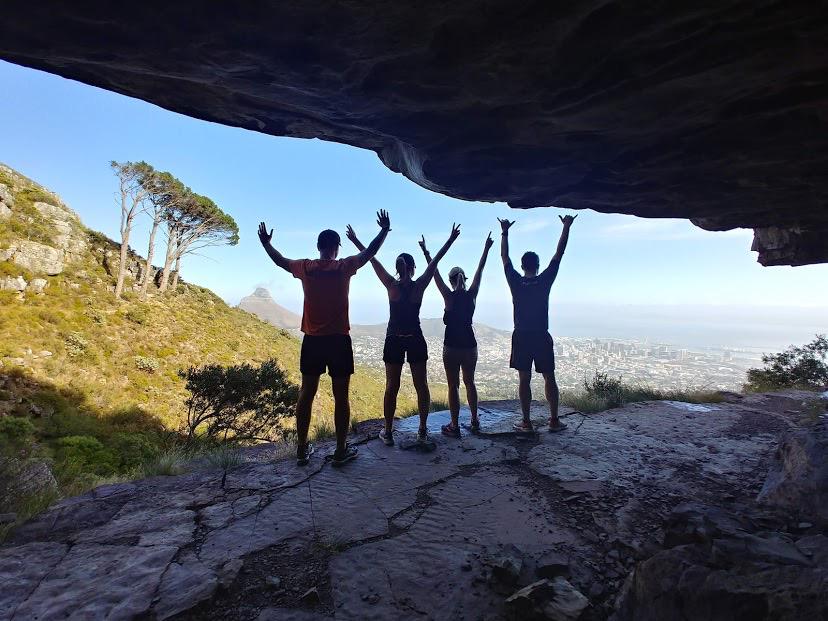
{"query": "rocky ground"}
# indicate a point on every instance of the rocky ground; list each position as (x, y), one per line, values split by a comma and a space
(639, 512)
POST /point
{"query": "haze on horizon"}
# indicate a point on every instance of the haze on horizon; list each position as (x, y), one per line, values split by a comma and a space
(622, 276)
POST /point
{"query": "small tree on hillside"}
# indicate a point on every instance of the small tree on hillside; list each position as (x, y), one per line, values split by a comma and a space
(193, 223)
(796, 367)
(132, 196)
(159, 186)
(243, 402)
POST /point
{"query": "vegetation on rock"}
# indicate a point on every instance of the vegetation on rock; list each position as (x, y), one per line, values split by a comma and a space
(796, 367)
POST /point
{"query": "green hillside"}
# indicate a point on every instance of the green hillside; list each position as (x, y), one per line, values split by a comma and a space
(79, 363)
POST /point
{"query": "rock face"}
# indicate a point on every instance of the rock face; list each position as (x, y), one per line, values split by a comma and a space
(38, 258)
(798, 480)
(262, 304)
(713, 112)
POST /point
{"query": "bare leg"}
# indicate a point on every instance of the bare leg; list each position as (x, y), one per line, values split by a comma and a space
(468, 365)
(552, 397)
(310, 384)
(420, 377)
(392, 389)
(342, 408)
(452, 365)
(525, 392)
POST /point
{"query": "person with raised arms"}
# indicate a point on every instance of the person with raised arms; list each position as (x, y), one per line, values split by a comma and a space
(459, 343)
(531, 341)
(326, 343)
(404, 338)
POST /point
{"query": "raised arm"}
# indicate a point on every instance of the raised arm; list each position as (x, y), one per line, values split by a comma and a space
(438, 280)
(505, 224)
(428, 273)
(478, 275)
(385, 278)
(274, 254)
(556, 259)
(368, 253)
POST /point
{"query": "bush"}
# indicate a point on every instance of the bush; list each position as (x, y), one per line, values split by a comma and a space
(146, 364)
(242, 401)
(796, 367)
(16, 430)
(76, 345)
(138, 314)
(96, 315)
(608, 389)
(86, 454)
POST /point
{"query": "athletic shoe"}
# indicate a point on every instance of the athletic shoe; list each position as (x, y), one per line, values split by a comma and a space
(422, 436)
(450, 431)
(341, 457)
(387, 439)
(303, 454)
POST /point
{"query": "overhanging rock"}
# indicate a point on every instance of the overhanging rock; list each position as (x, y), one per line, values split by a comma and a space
(716, 112)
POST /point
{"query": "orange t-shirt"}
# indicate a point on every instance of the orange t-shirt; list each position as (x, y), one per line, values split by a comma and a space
(326, 284)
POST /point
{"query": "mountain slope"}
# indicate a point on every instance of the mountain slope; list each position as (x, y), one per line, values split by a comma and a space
(262, 304)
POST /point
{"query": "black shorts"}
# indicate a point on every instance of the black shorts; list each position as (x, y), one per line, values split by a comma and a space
(397, 348)
(528, 347)
(333, 351)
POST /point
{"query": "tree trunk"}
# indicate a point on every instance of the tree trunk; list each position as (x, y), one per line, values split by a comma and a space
(168, 261)
(176, 272)
(150, 252)
(119, 284)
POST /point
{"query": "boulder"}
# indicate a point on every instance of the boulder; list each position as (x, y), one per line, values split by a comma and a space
(38, 285)
(38, 258)
(684, 110)
(12, 283)
(798, 480)
(555, 600)
(6, 195)
(5, 212)
(7, 253)
(56, 212)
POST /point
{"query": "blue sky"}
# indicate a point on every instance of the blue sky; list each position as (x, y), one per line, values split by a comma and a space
(63, 134)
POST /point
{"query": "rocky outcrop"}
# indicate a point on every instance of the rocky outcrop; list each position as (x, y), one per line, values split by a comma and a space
(798, 480)
(38, 258)
(715, 570)
(713, 112)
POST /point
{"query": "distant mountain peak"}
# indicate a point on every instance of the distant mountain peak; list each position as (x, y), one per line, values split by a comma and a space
(262, 304)
(261, 292)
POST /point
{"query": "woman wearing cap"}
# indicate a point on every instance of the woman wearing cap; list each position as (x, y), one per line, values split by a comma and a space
(404, 338)
(460, 346)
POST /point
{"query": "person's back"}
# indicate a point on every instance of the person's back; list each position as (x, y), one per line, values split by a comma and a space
(404, 312)
(326, 283)
(458, 315)
(530, 300)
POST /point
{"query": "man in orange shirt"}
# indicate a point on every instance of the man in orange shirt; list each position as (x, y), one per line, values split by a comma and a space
(327, 342)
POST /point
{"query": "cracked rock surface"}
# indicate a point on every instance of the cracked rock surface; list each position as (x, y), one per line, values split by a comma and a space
(480, 528)
(714, 112)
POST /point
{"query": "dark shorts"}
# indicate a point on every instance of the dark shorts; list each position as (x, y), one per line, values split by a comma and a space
(528, 347)
(398, 348)
(332, 351)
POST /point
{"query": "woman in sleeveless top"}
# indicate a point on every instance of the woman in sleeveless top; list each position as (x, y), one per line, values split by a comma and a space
(459, 345)
(404, 338)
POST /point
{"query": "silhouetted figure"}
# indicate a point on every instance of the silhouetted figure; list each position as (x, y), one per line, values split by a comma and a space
(531, 341)
(404, 338)
(459, 343)
(327, 342)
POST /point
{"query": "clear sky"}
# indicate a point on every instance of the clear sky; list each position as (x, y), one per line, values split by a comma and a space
(63, 134)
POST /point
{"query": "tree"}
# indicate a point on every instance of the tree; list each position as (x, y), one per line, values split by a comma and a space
(194, 222)
(796, 367)
(165, 191)
(244, 402)
(133, 195)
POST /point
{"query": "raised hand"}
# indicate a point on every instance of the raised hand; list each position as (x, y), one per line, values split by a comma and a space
(422, 243)
(455, 232)
(489, 241)
(567, 220)
(351, 235)
(505, 224)
(383, 220)
(264, 236)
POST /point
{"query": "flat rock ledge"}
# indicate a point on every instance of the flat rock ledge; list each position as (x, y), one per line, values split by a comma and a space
(486, 527)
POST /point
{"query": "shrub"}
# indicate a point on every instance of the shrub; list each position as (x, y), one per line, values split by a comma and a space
(241, 401)
(16, 430)
(76, 345)
(138, 314)
(146, 364)
(86, 454)
(168, 462)
(605, 388)
(796, 367)
(224, 457)
(96, 315)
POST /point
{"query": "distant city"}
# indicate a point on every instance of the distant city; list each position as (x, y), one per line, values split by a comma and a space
(659, 365)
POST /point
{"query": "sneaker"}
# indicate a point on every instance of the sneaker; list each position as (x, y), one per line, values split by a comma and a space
(422, 436)
(303, 454)
(341, 457)
(450, 430)
(387, 439)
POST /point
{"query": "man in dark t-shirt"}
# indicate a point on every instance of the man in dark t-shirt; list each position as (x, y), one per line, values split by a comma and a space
(531, 341)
